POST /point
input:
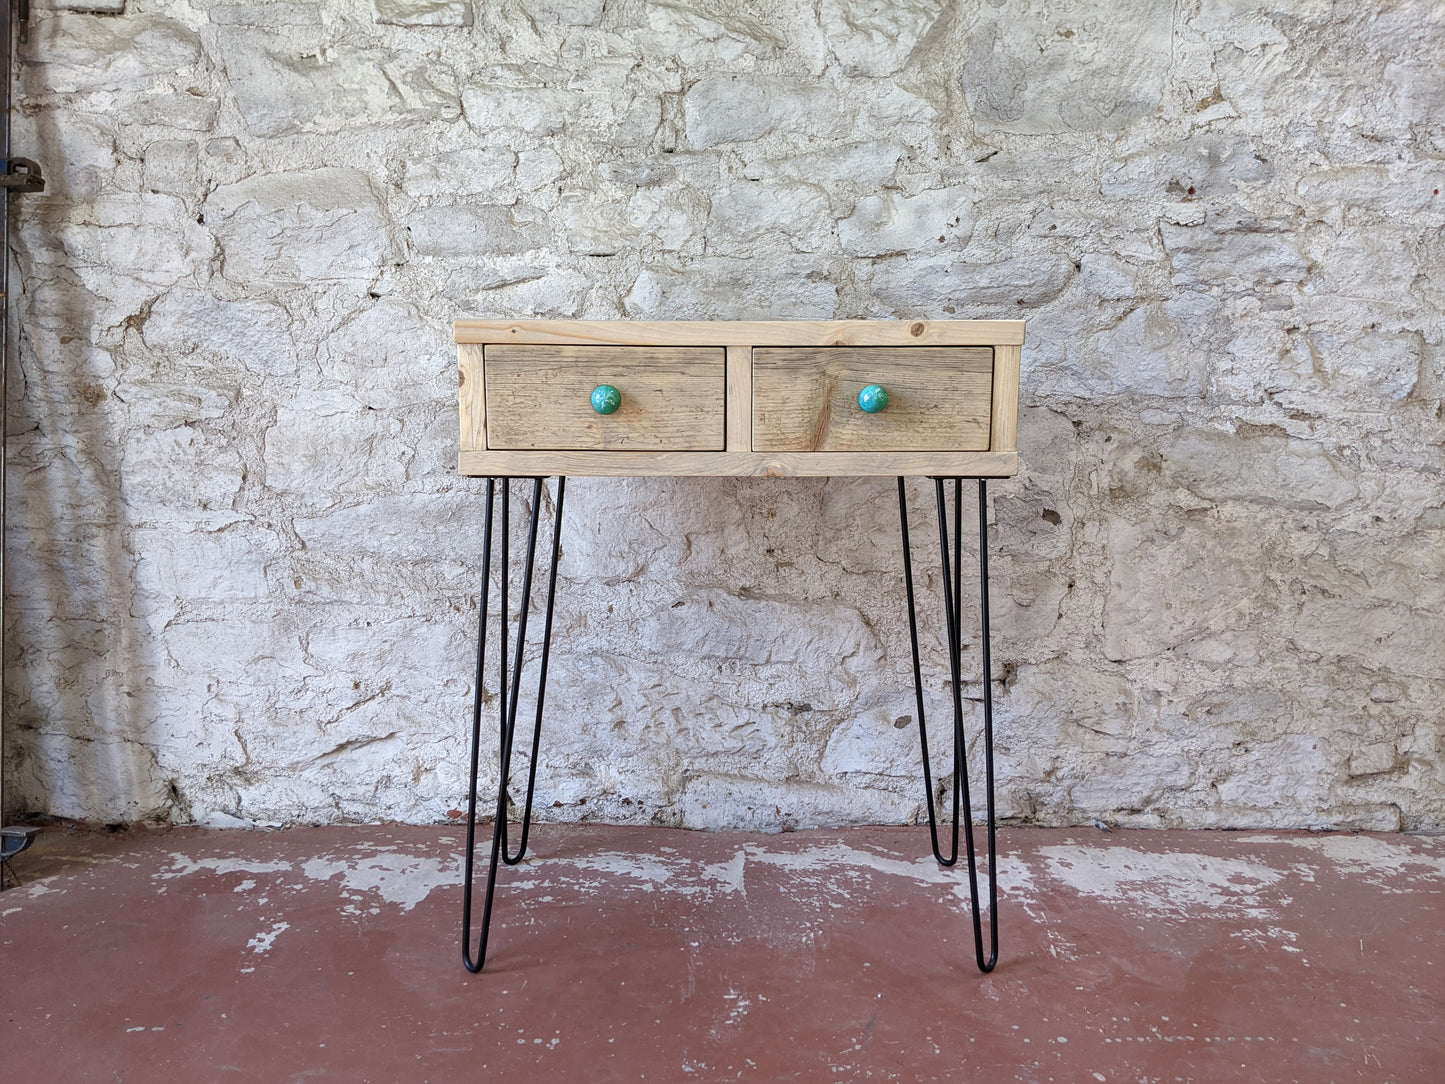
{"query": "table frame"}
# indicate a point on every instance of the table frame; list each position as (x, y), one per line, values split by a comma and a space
(738, 457)
(509, 683)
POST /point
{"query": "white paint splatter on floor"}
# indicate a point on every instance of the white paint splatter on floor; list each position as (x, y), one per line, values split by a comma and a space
(1372, 858)
(183, 865)
(1171, 883)
(729, 875)
(263, 941)
(397, 877)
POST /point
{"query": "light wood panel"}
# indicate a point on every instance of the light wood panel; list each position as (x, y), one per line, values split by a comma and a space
(760, 464)
(805, 399)
(745, 332)
(1005, 399)
(539, 397)
(740, 398)
(472, 398)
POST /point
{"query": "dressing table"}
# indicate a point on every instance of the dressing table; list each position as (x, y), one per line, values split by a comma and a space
(580, 398)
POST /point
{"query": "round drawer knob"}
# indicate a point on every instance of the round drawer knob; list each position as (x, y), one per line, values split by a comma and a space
(872, 399)
(606, 399)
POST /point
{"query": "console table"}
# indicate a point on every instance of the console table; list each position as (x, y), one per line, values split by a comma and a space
(540, 398)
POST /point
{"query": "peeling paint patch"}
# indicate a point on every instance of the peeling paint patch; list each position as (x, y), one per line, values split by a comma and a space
(39, 888)
(1376, 860)
(262, 942)
(1162, 884)
(396, 877)
(729, 875)
(1014, 876)
(183, 865)
(650, 872)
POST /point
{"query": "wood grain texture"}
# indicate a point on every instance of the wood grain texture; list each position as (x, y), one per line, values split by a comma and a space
(734, 424)
(539, 397)
(805, 399)
(740, 398)
(736, 464)
(471, 398)
(1005, 399)
(745, 332)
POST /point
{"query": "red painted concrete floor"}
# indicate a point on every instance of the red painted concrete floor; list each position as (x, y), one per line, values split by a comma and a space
(627, 954)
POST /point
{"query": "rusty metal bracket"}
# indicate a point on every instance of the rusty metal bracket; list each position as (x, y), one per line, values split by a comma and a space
(22, 175)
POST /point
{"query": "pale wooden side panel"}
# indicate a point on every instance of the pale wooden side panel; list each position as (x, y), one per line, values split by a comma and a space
(805, 399)
(1005, 399)
(471, 398)
(539, 397)
(744, 332)
(771, 465)
(740, 398)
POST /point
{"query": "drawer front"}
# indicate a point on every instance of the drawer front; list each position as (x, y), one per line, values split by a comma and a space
(805, 399)
(540, 398)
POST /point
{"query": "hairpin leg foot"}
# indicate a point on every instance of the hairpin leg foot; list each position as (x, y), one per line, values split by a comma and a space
(507, 695)
(952, 607)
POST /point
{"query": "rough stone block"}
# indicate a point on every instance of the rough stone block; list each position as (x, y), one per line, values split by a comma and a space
(1164, 592)
(82, 54)
(78, 161)
(893, 223)
(301, 227)
(871, 164)
(337, 439)
(372, 355)
(710, 802)
(285, 86)
(423, 12)
(191, 111)
(471, 231)
(122, 247)
(1071, 67)
(255, 336)
(734, 108)
(536, 110)
(1243, 260)
(878, 739)
(460, 173)
(876, 39)
(728, 288)
(182, 475)
(538, 168)
(1109, 278)
(566, 12)
(1269, 469)
(89, 7)
(268, 13)
(173, 166)
(936, 283)
(671, 216)
(202, 566)
(748, 215)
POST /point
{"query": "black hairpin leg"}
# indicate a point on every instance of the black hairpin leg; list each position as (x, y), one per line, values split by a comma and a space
(952, 607)
(507, 695)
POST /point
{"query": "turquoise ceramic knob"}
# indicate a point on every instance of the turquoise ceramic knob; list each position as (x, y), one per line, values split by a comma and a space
(872, 399)
(606, 399)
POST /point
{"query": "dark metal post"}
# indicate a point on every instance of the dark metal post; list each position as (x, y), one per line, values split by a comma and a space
(19, 175)
(508, 693)
(953, 621)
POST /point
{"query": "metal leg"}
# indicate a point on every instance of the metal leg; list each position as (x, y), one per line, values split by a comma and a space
(952, 607)
(507, 697)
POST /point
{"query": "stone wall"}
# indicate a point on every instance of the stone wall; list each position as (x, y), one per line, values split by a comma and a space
(242, 571)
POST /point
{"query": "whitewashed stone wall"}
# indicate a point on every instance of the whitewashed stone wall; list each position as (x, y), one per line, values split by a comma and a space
(242, 571)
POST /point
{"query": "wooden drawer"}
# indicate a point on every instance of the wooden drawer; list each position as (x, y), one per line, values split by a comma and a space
(805, 399)
(539, 398)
